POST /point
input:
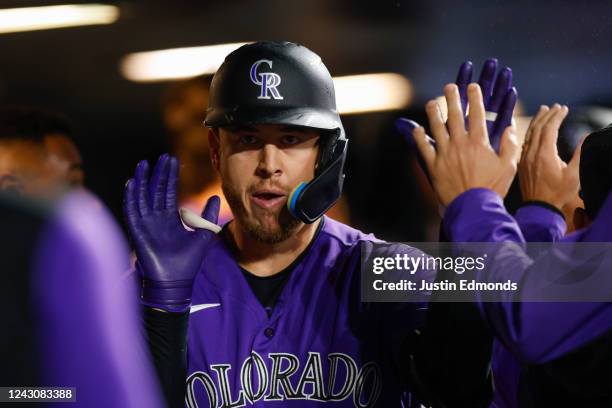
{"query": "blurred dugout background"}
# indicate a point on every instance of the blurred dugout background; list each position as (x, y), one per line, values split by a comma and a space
(559, 51)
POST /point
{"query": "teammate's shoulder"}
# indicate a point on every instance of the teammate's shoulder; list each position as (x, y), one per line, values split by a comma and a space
(344, 234)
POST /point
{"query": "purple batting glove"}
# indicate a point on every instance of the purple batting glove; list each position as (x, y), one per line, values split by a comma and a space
(464, 77)
(406, 127)
(168, 255)
(499, 96)
(503, 119)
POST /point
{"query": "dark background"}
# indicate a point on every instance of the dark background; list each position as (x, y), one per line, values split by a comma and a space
(559, 51)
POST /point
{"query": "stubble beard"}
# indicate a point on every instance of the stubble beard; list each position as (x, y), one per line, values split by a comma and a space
(286, 225)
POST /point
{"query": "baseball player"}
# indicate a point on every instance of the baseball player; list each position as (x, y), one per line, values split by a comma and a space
(37, 154)
(70, 318)
(266, 311)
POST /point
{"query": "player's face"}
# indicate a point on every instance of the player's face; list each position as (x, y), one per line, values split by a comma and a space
(24, 168)
(64, 156)
(259, 167)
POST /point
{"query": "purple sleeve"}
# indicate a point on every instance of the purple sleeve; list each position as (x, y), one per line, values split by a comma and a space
(540, 224)
(478, 215)
(534, 331)
(90, 323)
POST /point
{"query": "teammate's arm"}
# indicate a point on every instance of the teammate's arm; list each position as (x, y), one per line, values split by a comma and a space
(547, 182)
(453, 352)
(471, 179)
(540, 222)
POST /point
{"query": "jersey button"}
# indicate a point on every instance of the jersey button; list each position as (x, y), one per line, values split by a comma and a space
(269, 332)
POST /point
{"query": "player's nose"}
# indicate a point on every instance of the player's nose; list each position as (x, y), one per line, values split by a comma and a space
(269, 161)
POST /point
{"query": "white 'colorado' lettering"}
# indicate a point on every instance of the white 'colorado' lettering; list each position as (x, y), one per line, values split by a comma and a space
(273, 382)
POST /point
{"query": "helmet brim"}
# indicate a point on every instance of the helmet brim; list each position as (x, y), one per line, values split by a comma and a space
(307, 117)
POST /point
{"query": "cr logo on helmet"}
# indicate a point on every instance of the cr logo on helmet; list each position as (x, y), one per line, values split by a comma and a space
(268, 82)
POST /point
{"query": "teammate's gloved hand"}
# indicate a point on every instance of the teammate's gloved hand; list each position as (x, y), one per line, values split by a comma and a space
(168, 255)
(464, 159)
(499, 96)
(406, 127)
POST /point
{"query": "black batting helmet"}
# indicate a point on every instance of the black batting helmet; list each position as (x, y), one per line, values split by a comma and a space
(286, 84)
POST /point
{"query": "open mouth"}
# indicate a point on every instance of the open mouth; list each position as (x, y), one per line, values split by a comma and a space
(268, 199)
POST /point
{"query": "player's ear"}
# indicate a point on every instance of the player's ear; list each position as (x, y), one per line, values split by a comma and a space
(581, 218)
(214, 143)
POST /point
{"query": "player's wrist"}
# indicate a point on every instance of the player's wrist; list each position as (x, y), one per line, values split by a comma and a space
(165, 308)
(172, 296)
(467, 210)
(158, 308)
(552, 200)
(543, 204)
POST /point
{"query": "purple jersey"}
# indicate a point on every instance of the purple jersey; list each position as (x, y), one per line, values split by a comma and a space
(320, 344)
(532, 331)
(540, 224)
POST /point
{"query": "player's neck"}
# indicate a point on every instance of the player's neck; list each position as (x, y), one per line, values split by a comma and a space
(264, 259)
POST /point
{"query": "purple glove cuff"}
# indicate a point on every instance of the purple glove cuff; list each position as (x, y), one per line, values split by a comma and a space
(169, 309)
(172, 295)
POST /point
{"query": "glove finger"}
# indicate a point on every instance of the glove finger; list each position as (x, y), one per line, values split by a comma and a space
(500, 89)
(142, 190)
(406, 127)
(159, 181)
(171, 195)
(487, 77)
(464, 77)
(504, 118)
(211, 209)
(130, 209)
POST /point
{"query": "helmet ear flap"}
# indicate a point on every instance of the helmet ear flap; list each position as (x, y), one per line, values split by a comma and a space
(327, 146)
(311, 200)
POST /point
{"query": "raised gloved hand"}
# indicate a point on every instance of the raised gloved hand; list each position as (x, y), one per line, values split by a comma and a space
(464, 159)
(168, 255)
(499, 96)
(499, 99)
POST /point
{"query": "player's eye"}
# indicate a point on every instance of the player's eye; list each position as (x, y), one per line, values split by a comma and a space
(290, 140)
(248, 140)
